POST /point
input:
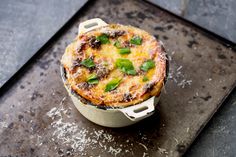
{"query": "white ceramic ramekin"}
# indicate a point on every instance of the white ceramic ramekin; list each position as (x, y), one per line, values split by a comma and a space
(107, 116)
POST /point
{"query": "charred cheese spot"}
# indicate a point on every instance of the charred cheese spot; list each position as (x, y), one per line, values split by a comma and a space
(132, 89)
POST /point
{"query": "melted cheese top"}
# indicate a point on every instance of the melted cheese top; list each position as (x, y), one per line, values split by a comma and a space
(131, 88)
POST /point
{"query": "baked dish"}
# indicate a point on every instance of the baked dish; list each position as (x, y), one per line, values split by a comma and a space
(115, 66)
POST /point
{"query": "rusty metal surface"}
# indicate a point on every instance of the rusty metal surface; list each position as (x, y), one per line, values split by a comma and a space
(37, 118)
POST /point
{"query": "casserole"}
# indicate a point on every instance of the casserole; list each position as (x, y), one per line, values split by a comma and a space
(114, 73)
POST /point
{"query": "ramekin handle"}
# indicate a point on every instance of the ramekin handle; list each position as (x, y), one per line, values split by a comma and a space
(140, 111)
(90, 24)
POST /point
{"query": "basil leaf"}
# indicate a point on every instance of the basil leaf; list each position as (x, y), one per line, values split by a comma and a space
(104, 39)
(145, 78)
(125, 50)
(149, 64)
(122, 50)
(117, 44)
(131, 72)
(136, 40)
(92, 79)
(88, 63)
(125, 66)
(113, 84)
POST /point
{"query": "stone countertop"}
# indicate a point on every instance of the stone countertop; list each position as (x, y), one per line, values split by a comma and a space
(37, 118)
(216, 16)
(25, 26)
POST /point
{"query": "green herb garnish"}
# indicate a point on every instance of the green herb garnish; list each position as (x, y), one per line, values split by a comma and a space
(88, 63)
(113, 84)
(125, 50)
(104, 39)
(122, 50)
(125, 66)
(145, 78)
(92, 79)
(117, 44)
(149, 64)
(136, 40)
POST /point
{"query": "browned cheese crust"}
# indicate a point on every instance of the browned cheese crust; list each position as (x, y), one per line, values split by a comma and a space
(95, 72)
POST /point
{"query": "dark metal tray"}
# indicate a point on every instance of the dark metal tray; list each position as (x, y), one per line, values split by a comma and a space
(37, 118)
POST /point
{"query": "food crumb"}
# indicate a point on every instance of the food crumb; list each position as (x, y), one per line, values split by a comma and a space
(82, 139)
(162, 150)
(145, 147)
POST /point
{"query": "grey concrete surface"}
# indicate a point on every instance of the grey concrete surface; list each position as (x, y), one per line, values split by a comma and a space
(37, 118)
(26, 25)
(218, 139)
(215, 15)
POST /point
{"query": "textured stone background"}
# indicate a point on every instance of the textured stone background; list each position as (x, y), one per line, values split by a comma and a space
(25, 26)
(214, 15)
